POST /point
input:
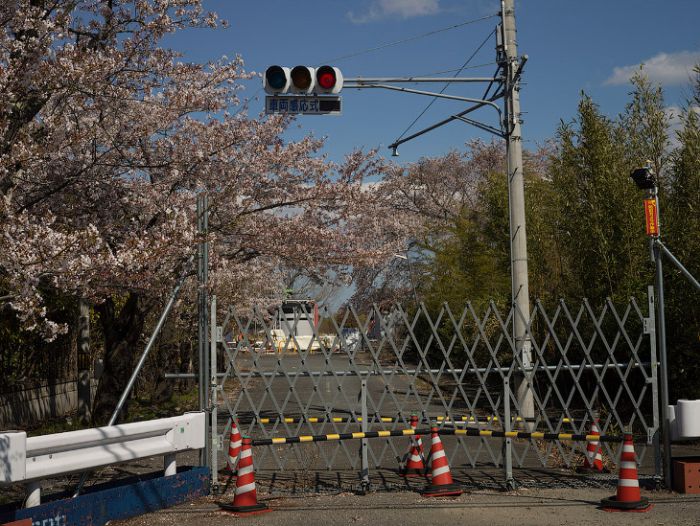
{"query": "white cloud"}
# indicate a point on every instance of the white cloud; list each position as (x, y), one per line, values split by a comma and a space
(395, 8)
(675, 123)
(666, 68)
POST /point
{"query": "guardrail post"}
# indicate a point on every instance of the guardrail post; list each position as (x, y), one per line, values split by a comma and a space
(169, 465)
(33, 494)
(364, 473)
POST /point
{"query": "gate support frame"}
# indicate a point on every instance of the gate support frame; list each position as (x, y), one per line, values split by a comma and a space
(202, 301)
(213, 437)
(365, 485)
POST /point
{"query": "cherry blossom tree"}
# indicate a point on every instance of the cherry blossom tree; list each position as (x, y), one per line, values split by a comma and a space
(106, 137)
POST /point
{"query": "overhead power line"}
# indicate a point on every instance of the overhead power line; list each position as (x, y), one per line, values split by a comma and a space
(409, 39)
(464, 66)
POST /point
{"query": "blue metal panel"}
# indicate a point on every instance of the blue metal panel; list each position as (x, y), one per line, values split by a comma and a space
(109, 502)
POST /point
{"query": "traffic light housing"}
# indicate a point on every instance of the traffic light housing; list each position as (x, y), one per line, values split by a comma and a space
(276, 80)
(644, 178)
(329, 79)
(302, 80)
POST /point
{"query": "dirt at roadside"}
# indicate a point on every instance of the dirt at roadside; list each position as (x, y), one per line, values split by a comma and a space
(541, 507)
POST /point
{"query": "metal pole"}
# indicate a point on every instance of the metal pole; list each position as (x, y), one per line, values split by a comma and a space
(665, 428)
(650, 329)
(678, 264)
(507, 443)
(364, 473)
(516, 201)
(663, 358)
(214, 431)
(203, 336)
(409, 80)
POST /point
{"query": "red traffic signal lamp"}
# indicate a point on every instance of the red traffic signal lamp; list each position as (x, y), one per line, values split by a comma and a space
(302, 79)
(329, 79)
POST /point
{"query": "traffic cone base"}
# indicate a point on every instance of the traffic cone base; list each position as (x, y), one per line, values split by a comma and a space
(444, 490)
(612, 504)
(255, 509)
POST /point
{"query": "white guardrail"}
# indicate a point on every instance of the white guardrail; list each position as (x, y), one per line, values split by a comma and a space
(28, 460)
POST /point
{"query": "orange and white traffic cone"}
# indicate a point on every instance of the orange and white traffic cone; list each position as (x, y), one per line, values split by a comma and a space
(418, 440)
(245, 499)
(593, 460)
(234, 449)
(414, 465)
(441, 484)
(628, 497)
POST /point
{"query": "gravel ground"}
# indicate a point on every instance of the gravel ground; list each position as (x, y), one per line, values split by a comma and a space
(538, 506)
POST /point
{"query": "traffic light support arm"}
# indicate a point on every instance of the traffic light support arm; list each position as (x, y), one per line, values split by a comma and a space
(408, 80)
(482, 126)
(677, 263)
(457, 116)
(432, 94)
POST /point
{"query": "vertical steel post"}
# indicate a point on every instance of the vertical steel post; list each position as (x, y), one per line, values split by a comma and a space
(364, 473)
(507, 442)
(214, 436)
(663, 369)
(650, 329)
(516, 202)
(663, 359)
(203, 336)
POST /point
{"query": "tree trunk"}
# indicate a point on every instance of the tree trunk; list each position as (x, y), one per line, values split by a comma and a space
(122, 330)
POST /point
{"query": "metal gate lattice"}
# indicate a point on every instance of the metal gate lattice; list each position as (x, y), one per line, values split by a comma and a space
(450, 368)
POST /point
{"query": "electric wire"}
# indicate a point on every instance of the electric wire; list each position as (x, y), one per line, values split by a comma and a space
(445, 86)
(409, 39)
(444, 71)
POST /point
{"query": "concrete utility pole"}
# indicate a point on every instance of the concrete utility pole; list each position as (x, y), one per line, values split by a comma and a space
(516, 197)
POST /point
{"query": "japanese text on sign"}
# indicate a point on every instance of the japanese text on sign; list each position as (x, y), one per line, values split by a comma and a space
(302, 105)
(652, 217)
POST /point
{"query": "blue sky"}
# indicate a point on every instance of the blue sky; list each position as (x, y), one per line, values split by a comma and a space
(572, 46)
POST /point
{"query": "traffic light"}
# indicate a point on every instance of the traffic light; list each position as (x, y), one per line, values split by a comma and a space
(644, 178)
(302, 79)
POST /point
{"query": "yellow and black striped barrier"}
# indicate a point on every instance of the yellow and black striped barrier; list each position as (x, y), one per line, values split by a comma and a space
(384, 419)
(321, 419)
(535, 435)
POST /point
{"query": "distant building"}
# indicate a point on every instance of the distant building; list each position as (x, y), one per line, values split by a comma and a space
(297, 320)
